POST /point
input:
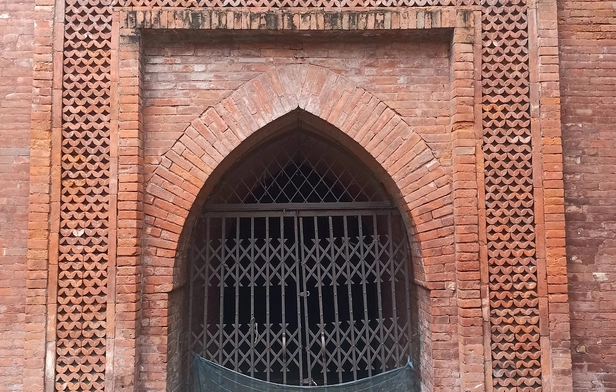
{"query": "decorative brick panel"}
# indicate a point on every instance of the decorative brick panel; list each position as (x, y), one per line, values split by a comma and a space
(291, 3)
(512, 264)
(84, 211)
(90, 151)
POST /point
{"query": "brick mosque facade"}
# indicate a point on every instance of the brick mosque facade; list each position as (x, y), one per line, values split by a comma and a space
(489, 123)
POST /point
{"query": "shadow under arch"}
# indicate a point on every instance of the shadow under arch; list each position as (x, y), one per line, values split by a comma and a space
(323, 101)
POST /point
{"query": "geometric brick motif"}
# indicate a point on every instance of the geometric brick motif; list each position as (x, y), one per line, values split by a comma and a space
(512, 263)
(84, 214)
(291, 3)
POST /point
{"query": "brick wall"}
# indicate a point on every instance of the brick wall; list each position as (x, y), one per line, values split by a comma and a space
(411, 75)
(587, 33)
(183, 77)
(16, 43)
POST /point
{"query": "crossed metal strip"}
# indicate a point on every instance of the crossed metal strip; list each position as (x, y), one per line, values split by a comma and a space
(257, 348)
(285, 171)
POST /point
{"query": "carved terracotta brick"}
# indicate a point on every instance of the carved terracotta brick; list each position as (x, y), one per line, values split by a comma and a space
(84, 212)
(510, 202)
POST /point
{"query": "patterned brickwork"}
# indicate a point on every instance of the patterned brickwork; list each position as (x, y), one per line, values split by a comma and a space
(512, 264)
(291, 3)
(84, 224)
(84, 221)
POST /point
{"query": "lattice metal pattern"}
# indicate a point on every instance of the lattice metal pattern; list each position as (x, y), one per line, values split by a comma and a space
(514, 310)
(301, 299)
(299, 168)
(83, 252)
(291, 3)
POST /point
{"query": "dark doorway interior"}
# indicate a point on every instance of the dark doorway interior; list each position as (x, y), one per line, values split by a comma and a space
(299, 268)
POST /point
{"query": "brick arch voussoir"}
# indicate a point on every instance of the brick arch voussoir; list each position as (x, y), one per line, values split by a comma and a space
(424, 186)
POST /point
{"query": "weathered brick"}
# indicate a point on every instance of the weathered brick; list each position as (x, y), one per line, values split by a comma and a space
(16, 86)
(587, 43)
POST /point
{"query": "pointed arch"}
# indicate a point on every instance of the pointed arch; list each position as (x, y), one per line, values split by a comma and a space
(420, 185)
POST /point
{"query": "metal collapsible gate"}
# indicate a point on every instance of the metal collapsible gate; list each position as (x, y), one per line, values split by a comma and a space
(301, 293)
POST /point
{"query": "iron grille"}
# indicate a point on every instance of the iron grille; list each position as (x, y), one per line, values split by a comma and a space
(299, 168)
(312, 293)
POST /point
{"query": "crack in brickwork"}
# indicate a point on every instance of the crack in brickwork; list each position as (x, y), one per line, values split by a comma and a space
(84, 211)
(512, 263)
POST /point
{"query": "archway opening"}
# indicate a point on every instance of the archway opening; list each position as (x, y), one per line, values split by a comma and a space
(299, 268)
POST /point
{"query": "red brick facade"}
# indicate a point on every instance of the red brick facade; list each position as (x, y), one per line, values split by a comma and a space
(587, 40)
(16, 52)
(117, 122)
(16, 60)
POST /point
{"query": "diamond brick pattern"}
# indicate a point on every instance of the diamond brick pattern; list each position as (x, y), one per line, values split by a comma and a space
(514, 310)
(84, 214)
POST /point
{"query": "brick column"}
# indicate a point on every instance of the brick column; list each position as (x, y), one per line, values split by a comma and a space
(127, 162)
(43, 215)
(549, 192)
(464, 148)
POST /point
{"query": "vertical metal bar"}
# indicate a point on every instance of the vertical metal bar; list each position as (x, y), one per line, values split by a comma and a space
(379, 278)
(407, 297)
(193, 267)
(320, 290)
(299, 313)
(393, 287)
(335, 287)
(237, 295)
(221, 327)
(206, 285)
(305, 295)
(394, 252)
(350, 295)
(282, 288)
(252, 296)
(362, 256)
(268, 327)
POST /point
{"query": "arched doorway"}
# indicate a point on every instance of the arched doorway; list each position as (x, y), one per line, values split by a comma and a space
(299, 268)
